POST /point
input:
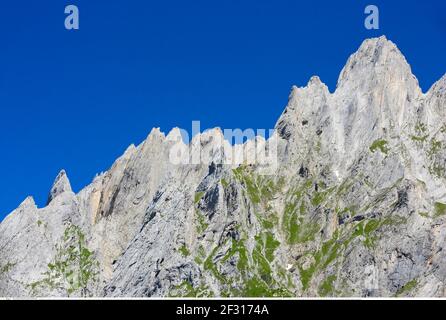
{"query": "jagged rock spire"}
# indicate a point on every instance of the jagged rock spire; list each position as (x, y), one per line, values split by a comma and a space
(61, 185)
(27, 203)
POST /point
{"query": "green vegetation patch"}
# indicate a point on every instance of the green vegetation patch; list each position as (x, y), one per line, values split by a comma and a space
(421, 133)
(320, 197)
(201, 222)
(6, 268)
(409, 286)
(326, 288)
(419, 139)
(259, 188)
(349, 210)
(238, 247)
(420, 127)
(186, 289)
(184, 251)
(255, 277)
(198, 196)
(328, 253)
(437, 170)
(435, 146)
(439, 209)
(224, 183)
(295, 226)
(74, 267)
(209, 265)
(424, 214)
(380, 145)
(200, 255)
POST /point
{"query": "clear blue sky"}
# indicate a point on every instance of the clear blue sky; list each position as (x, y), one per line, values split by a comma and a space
(76, 100)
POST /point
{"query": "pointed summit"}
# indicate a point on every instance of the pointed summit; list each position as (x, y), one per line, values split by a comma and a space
(377, 58)
(156, 133)
(174, 135)
(314, 80)
(375, 51)
(61, 185)
(27, 203)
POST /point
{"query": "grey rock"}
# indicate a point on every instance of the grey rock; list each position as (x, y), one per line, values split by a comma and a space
(61, 185)
(356, 206)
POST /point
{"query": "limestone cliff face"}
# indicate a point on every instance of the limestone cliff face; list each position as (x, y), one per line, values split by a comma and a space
(355, 207)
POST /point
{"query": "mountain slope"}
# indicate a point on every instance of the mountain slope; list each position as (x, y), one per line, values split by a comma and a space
(355, 207)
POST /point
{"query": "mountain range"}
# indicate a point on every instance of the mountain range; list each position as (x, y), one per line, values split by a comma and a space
(354, 207)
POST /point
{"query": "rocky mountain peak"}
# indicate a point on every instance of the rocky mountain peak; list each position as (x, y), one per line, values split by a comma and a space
(61, 185)
(174, 135)
(156, 134)
(378, 61)
(356, 205)
(28, 203)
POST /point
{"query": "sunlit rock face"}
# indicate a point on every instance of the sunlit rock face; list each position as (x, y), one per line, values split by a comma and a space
(356, 205)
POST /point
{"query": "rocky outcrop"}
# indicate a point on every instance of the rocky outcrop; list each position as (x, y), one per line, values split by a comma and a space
(356, 205)
(61, 185)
